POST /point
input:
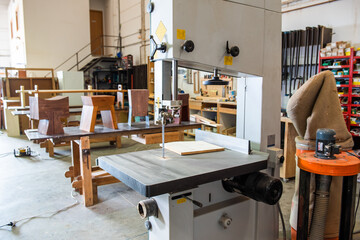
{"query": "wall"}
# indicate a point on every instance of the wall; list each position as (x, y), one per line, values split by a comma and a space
(133, 18)
(4, 35)
(55, 30)
(342, 16)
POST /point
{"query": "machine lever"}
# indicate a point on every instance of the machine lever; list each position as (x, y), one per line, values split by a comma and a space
(196, 203)
(161, 47)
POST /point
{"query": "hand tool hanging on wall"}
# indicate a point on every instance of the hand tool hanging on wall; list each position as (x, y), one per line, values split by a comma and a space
(295, 54)
(319, 30)
(285, 76)
(306, 54)
(312, 42)
(283, 64)
(297, 61)
(292, 38)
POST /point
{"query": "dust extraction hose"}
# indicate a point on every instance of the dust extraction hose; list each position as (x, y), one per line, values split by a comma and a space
(317, 228)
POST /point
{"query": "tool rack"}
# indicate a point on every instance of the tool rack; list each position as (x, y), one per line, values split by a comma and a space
(346, 82)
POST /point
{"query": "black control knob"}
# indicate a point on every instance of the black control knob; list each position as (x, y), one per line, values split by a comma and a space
(148, 225)
(188, 46)
(234, 51)
(150, 7)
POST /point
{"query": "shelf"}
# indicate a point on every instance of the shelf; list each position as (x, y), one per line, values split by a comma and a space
(354, 135)
(208, 110)
(335, 67)
(227, 110)
(341, 76)
(344, 95)
(354, 105)
(355, 125)
(356, 57)
(355, 95)
(334, 57)
(342, 85)
(355, 115)
(356, 72)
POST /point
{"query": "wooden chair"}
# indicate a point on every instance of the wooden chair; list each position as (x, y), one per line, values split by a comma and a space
(84, 177)
(91, 106)
(49, 112)
(138, 104)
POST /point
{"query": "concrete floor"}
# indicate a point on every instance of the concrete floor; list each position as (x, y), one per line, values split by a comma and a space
(36, 185)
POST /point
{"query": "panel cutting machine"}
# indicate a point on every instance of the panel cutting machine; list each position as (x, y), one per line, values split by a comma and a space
(219, 195)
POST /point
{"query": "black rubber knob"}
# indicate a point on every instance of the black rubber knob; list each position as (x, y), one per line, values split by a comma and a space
(282, 159)
(234, 51)
(188, 46)
(148, 225)
(150, 7)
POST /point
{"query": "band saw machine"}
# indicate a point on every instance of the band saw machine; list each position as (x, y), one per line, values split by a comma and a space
(218, 195)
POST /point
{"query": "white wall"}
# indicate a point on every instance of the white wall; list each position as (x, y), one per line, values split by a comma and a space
(54, 30)
(4, 35)
(342, 16)
(130, 19)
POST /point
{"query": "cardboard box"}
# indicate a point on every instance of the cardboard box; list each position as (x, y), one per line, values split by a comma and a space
(334, 52)
(333, 45)
(341, 52)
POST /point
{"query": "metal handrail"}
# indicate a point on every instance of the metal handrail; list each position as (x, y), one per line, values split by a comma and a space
(76, 54)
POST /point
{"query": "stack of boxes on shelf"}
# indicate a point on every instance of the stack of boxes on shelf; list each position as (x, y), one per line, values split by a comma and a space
(346, 69)
(334, 49)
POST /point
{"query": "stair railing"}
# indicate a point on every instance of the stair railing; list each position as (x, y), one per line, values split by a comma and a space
(78, 59)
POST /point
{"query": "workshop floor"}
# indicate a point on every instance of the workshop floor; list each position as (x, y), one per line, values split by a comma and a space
(36, 185)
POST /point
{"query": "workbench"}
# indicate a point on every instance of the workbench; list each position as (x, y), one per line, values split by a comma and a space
(102, 134)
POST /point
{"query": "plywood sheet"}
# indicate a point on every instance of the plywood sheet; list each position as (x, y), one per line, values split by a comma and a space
(192, 147)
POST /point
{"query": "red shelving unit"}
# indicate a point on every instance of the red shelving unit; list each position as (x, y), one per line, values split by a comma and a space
(351, 60)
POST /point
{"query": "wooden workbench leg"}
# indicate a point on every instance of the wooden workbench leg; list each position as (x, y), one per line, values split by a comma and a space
(118, 141)
(50, 148)
(75, 153)
(85, 165)
(181, 135)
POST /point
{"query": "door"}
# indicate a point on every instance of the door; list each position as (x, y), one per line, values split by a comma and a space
(96, 33)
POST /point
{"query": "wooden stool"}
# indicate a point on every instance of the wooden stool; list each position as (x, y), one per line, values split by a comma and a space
(49, 113)
(91, 106)
(138, 104)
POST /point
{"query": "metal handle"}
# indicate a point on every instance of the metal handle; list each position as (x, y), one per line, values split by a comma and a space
(161, 47)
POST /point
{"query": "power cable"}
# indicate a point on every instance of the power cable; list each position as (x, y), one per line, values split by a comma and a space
(282, 221)
(14, 223)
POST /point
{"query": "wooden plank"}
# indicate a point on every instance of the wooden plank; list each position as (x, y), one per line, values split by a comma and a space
(85, 164)
(192, 147)
(288, 168)
(75, 155)
(235, 144)
(169, 137)
(227, 110)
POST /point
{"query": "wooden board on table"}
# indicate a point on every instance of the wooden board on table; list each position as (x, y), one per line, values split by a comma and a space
(192, 147)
